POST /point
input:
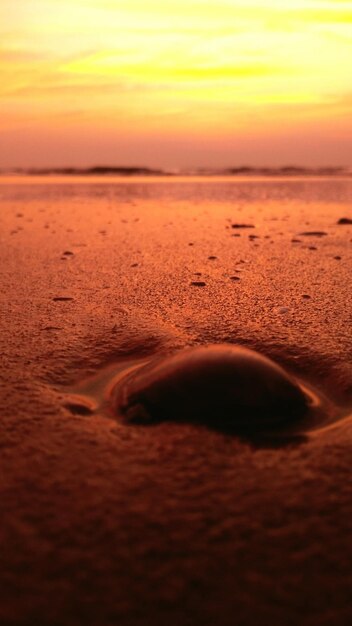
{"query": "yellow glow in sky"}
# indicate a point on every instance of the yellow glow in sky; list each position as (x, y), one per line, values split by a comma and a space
(164, 82)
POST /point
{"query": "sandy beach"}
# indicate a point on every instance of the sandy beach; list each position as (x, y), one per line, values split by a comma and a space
(104, 523)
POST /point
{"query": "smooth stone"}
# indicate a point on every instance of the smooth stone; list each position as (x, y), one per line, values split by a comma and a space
(217, 384)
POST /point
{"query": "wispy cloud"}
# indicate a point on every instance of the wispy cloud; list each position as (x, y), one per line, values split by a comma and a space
(194, 64)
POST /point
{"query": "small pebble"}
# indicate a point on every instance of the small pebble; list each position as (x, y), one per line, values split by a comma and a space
(314, 233)
(78, 409)
(62, 299)
(345, 221)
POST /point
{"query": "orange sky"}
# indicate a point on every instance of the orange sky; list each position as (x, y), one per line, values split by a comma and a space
(166, 83)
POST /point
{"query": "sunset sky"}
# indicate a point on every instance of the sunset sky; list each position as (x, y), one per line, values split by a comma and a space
(175, 83)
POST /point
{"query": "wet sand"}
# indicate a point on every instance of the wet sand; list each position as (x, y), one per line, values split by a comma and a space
(106, 523)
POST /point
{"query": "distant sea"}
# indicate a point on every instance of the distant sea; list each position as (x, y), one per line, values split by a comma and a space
(102, 170)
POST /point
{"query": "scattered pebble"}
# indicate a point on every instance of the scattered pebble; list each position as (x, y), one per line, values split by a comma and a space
(312, 248)
(306, 296)
(314, 233)
(338, 258)
(62, 299)
(344, 220)
(212, 258)
(198, 283)
(234, 277)
(242, 226)
(78, 409)
(52, 328)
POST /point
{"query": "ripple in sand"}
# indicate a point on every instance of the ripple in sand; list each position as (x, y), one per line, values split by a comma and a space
(221, 385)
(228, 388)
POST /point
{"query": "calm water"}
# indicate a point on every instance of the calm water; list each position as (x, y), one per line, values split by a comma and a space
(202, 188)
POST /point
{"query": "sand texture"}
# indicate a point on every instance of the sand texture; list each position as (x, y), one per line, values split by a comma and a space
(104, 523)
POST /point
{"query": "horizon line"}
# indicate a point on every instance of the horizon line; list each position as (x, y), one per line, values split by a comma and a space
(138, 170)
